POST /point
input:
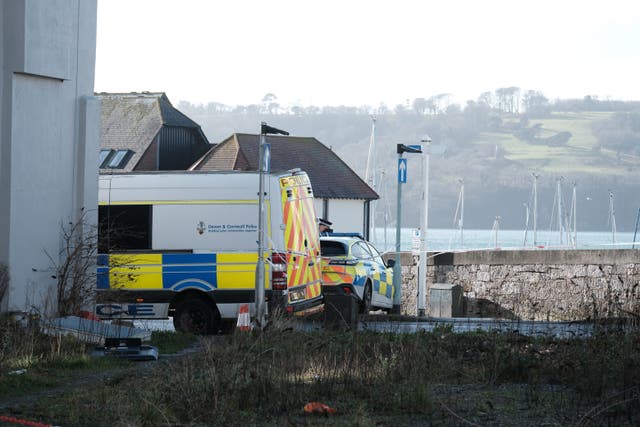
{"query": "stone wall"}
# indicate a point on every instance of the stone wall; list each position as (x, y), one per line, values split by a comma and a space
(534, 285)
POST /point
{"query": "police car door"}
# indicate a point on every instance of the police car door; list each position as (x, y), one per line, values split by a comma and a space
(383, 286)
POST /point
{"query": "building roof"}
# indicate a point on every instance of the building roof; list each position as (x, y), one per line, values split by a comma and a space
(331, 177)
(131, 121)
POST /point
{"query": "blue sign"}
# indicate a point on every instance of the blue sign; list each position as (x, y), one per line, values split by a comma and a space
(416, 148)
(266, 158)
(402, 171)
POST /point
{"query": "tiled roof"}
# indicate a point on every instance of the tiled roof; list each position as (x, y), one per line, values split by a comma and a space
(131, 121)
(330, 176)
(172, 116)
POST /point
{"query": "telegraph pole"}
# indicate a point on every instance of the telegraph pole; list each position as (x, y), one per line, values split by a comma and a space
(263, 168)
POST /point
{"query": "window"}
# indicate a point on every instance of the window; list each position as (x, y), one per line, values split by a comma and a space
(375, 253)
(104, 155)
(118, 160)
(330, 248)
(114, 159)
(359, 250)
(124, 227)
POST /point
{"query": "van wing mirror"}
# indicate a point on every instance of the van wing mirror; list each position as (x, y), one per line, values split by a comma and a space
(391, 263)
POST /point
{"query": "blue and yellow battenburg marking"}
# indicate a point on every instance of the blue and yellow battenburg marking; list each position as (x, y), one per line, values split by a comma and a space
(177, 272)
(357, 275)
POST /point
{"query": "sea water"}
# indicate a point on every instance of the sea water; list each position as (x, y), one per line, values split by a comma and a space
(452, 240)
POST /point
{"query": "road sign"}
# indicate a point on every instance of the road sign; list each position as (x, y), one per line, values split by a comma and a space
(402, 171)
(266, 158)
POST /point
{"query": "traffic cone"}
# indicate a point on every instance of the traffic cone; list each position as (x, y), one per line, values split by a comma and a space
(244, 320)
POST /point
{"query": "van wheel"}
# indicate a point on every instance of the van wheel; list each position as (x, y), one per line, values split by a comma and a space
(365, 304)
(195, 315)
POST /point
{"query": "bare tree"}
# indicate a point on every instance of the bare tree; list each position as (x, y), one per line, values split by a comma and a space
(420, 106)
(74, 267)
(4, 281)
(508, 99)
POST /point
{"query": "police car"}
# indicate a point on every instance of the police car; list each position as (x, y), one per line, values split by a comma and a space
(351, 265)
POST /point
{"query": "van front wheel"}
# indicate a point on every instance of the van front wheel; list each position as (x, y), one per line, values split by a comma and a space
(197, 316)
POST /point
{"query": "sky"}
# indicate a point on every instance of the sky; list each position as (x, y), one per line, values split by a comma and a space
(355, 53)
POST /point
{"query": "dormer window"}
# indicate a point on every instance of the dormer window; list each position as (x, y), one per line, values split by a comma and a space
(114, 159)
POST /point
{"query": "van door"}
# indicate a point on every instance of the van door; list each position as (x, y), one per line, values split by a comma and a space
(302, 243)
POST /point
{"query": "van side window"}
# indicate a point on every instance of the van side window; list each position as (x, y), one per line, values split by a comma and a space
(124, 227)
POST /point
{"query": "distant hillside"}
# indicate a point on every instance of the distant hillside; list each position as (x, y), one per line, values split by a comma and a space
(493, 149)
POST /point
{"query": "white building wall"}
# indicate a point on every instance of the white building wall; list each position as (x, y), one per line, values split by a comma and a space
(49, 131)
(317, 204)
(346, 215)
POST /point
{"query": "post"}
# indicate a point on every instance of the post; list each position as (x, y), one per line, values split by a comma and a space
(263, 167)
(422, 269)
(260, 297)
(397, 268)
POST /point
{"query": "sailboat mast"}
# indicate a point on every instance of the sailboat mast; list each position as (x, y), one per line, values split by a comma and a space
(612, 217)
(495, 228)
(458, 217)
(559, 193)
(369, 178)
(461, 214)
(535, 209)
(385, 205)
(574, 209)
(526, 224)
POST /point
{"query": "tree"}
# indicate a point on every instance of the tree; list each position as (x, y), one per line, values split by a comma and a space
(508, 99)
(621, 132)
(4, 281)
(486, 98)
(74, 267)
(535, 104)
(269, 103)
(420, 106)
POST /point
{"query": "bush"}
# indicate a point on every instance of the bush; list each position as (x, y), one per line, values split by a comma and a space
(4, 282)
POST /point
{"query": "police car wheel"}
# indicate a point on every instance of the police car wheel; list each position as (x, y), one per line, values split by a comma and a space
(365, 304)
(196, 316)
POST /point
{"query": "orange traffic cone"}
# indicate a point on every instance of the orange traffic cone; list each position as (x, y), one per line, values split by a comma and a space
(244, 320)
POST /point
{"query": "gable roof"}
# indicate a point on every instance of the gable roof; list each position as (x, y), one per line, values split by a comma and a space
(330, 176)
(131, 121)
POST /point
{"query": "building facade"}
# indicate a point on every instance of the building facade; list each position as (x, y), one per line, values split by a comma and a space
(49, 138)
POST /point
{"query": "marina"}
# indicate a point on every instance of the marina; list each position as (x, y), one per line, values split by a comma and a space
(444, 240)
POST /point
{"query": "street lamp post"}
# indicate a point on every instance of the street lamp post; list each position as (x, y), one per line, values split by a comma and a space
(422, 269)
(397, 268)
(263, 168)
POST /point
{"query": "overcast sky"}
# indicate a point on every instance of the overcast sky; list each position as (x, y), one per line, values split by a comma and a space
(351, 52)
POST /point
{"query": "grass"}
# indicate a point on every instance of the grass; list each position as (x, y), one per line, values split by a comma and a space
(31, 361)
(169, 342)
(576, 157)
(372, 378)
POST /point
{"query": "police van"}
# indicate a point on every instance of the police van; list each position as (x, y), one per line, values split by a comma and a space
(184, 245)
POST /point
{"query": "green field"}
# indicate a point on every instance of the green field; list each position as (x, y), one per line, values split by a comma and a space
(580, 155)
